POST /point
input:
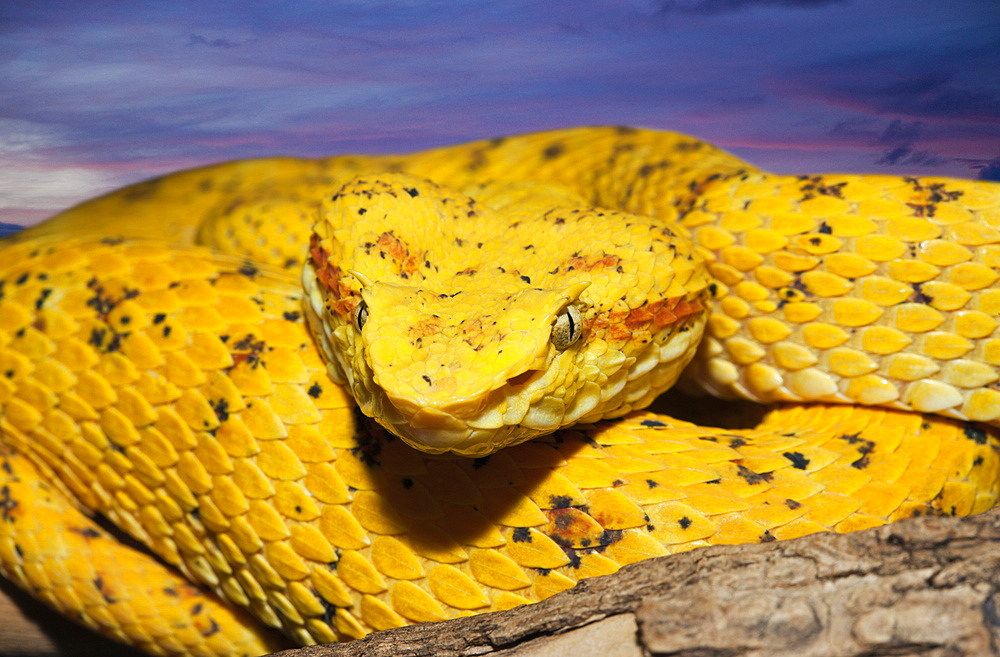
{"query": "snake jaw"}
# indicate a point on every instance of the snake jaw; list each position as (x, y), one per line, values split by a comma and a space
(463, 375)
(544, 388)
(477, 422)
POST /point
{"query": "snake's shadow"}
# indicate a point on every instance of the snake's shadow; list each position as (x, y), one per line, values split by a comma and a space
(446, 502)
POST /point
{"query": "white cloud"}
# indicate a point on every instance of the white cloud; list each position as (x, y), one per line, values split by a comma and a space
(30, 181)
(17, 136)
(48, 187)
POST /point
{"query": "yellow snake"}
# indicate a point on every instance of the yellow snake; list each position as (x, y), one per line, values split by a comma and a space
(187, 393)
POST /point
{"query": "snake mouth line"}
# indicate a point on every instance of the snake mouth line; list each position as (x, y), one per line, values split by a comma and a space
(523, 378)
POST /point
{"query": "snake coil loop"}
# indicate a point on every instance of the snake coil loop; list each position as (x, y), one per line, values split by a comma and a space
(212, 408)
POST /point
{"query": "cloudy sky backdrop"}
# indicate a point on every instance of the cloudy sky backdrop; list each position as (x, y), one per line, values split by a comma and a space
(94, 95)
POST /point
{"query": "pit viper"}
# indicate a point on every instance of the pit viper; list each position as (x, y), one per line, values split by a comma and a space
(180, 359)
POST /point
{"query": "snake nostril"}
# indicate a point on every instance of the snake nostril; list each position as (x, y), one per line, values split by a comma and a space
(521, 378)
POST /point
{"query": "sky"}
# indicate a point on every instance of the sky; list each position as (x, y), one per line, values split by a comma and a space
(96, 95)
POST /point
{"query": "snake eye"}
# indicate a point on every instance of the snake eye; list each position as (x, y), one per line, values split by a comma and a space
(567, 328)
(360, 315)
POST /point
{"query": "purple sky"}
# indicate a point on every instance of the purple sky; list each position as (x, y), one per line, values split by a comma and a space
(94, 95)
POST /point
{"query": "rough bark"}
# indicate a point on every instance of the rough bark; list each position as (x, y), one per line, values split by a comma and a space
(925, 587)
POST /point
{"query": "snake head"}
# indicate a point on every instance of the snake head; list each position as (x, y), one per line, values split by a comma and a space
(464, 329)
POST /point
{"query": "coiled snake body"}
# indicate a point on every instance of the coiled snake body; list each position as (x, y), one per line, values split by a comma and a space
(188, 394)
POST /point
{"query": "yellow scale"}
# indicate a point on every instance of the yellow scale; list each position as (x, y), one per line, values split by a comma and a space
(178, 393)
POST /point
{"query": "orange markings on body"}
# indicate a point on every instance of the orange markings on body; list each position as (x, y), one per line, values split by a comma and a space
(473, 333)
(397, 249)
(590, 263)
(571, 527)
(425, 328)
(331, 280)
(651, 316)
